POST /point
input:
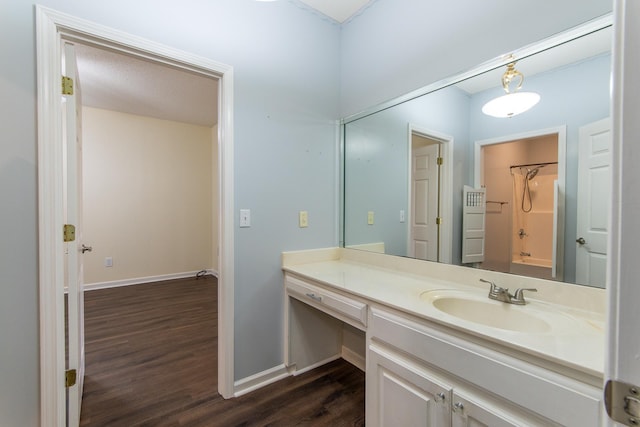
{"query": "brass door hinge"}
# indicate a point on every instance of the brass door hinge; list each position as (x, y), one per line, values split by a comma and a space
(440, 161)
(67, 85)
(70, 378)
(68, 233)
(622, 402)
(438, 220)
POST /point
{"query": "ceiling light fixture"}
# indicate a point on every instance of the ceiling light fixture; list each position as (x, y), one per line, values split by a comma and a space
(513, 103)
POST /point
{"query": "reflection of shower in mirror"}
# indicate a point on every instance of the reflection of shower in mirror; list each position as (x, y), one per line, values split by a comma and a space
(573, 79)
(533, 214)
(522, 172)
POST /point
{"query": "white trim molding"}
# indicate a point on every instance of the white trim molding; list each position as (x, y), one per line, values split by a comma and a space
(261, 379)
(51, 28)
(140, 280)
(353, 357)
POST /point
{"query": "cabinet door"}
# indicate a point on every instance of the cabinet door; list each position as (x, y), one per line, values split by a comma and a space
(470, 413)
(402, 394)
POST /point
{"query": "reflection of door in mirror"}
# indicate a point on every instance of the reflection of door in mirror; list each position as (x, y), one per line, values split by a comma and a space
(424, 242)
(594, 183)
(520, 176)
(573, 80)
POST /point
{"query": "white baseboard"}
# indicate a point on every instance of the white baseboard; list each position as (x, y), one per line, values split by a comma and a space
(149, 279)
(354, 358)
(277, 373)
(315, 365)
(260, 379)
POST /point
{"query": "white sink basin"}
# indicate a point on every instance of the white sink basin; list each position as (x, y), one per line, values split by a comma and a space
(480, 309)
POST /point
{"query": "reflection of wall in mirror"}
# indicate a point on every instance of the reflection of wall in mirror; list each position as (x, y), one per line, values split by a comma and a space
(376, 167)
(376, 150)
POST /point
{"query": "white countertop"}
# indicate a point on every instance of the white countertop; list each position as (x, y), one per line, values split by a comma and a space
(576, 339)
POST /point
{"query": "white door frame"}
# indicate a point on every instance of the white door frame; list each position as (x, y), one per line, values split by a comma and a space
(623, 292)
(446, 193)
(561, 132)
(51, 28)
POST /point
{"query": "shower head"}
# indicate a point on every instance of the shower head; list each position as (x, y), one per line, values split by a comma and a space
(531, 173)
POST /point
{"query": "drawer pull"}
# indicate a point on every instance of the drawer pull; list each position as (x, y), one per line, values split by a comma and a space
(315, 297)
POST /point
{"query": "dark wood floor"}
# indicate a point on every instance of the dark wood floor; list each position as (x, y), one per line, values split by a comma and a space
(151, 360)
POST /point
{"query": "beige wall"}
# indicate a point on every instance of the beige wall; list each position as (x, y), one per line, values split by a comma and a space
(149, 191)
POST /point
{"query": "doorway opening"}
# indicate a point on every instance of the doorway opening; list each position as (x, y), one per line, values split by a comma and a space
(429, 216)
(523, 176)
(54, 28)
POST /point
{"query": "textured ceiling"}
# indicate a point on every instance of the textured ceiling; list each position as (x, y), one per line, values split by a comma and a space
(119, 82)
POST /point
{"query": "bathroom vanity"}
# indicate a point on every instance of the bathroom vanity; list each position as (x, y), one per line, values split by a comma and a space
(436, 350)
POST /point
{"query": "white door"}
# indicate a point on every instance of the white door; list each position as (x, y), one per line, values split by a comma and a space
(474, 207)
(594, 202)
(74, 249)
(424, 202)
(400, 394)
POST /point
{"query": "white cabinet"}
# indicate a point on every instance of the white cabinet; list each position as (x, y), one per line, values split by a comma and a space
(402, 394)
(344, 308)
(486, 387)
(321, 325)
(423, 373)
(470, 413)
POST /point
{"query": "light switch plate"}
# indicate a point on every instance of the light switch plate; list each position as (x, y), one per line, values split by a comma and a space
(303, 219)
(402, 216)
(370, 217)
(245, 218)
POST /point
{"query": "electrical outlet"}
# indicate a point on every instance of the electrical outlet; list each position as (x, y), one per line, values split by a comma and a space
(108, 262)
(303, 219)
(370, 217)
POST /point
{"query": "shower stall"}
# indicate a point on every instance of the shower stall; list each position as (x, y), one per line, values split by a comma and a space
(534, 219)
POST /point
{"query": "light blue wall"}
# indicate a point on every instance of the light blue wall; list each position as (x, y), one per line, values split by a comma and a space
(397, 46)
(573, 96)
(286, 62)
(376, 166)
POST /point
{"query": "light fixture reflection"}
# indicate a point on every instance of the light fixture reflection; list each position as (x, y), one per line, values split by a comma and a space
(513, 103)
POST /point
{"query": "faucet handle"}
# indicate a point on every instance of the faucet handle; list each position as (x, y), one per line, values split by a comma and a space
(519, 294)
(495, 289)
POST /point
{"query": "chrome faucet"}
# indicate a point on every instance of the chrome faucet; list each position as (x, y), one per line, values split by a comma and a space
(502, 294)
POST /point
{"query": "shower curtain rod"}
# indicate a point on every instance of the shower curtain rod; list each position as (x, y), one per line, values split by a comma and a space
(533, 164)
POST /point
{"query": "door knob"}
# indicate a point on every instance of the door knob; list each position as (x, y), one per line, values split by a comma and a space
(86, 248)
(581, 241)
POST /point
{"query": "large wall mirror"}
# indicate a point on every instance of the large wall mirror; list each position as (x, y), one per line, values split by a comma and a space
(432, 176)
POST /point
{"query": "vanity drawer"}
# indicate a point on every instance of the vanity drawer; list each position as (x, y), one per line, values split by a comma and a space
(352, 311)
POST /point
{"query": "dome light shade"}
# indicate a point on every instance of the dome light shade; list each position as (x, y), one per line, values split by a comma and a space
(511, 104)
